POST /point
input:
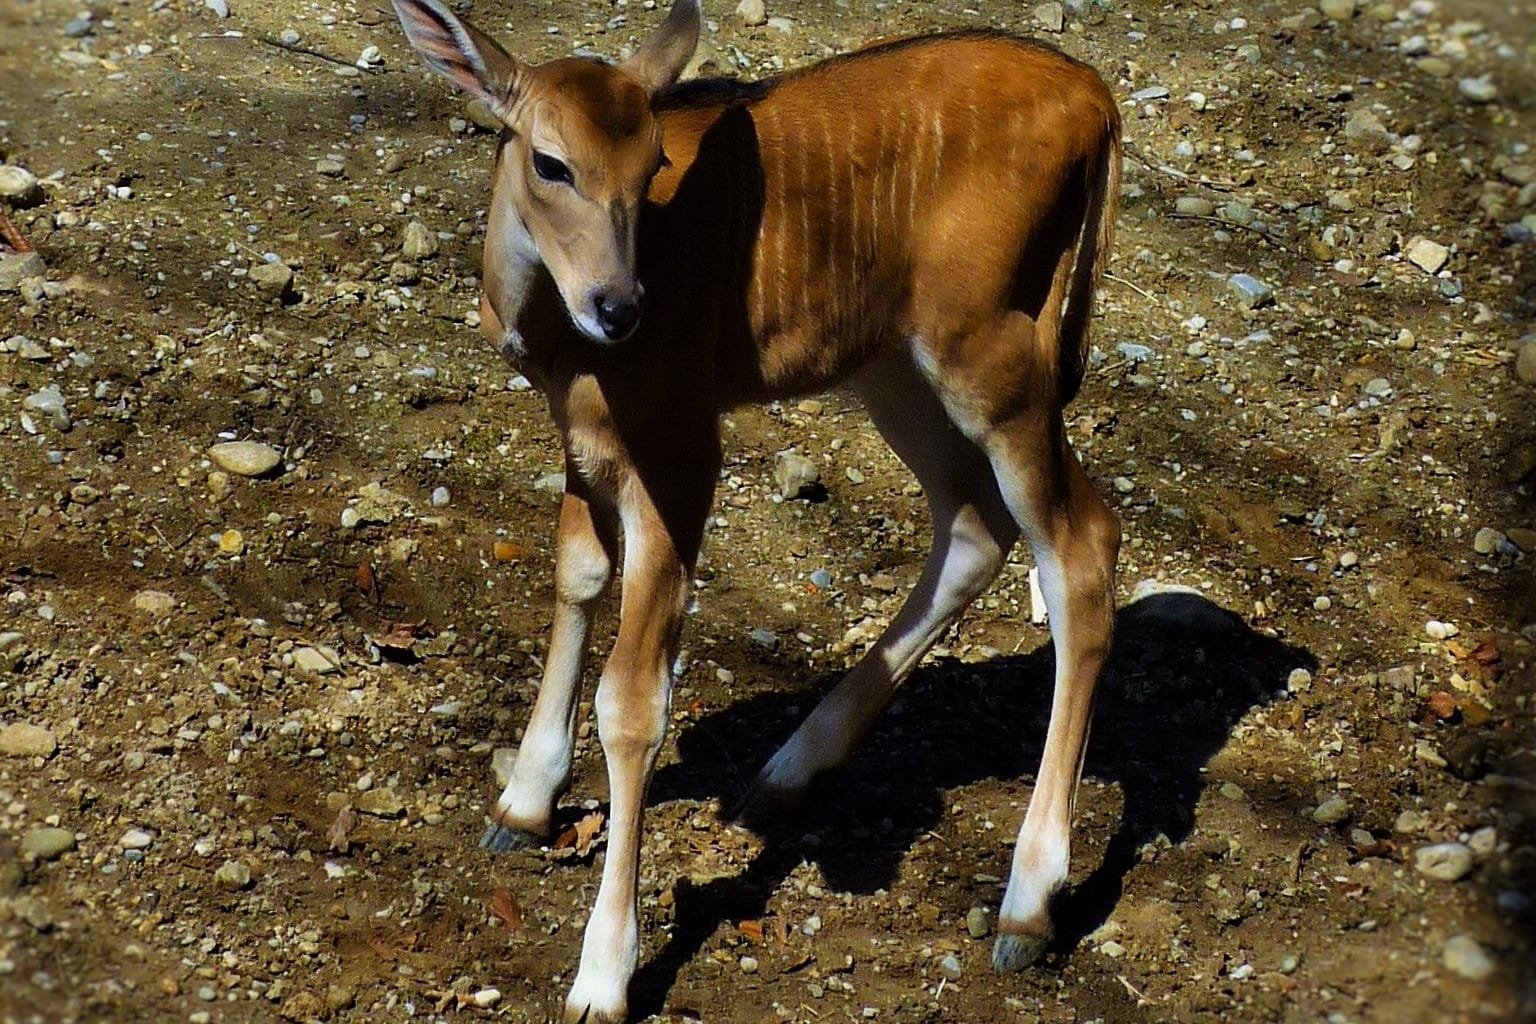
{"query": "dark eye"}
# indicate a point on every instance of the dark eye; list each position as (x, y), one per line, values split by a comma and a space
(551, 170)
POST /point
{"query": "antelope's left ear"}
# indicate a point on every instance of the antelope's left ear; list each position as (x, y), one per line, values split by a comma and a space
(458, 51)
(659, 62)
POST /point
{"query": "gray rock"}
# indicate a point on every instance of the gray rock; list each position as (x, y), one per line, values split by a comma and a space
(322, 661)
(155, 603)
(765, 638)
(482, 116)
(19, 187)
(233, 875)
(1251, 293)
(289, 37)
(1377, 387)
(796, 475)
(1339, 10)
(1479, 90)
(417, 242)
(80, 27)
(135, 839)
(1464, 956)
(26, 348)
(47, 843)
(1366, 129)
(1050, 17)
(16, 267)
(977, 924)
(1151, 92)
(1445, 862)
(1194, 206)
(440, 497)
(1332, 811)
(274, 279)
(1426, 254)
(219, 8)
(330, 166)
(949, 966)
(752, 13)
(245, 458)
(22, 739)
(783, 26)
(1525, 362)
(1487, 540)
(378, 504)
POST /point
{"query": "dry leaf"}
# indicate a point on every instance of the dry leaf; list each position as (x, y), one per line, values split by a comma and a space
(507, 551)
(507, 911)
(780, 933)
(337, 839)
(580, 837)
(1487, 652)
(752, 930)
(402, 636)
(1442, 704)
(381, 946)
(365, 579)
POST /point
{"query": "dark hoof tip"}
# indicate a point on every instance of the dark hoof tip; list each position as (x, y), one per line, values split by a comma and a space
(501, 839)
(764, 810)
(1012, 952)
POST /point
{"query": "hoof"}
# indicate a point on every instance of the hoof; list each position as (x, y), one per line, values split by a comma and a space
(1014, 952)
(765, 808)
(499, 838)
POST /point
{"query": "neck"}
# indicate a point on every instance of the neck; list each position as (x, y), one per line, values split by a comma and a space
(509, 267)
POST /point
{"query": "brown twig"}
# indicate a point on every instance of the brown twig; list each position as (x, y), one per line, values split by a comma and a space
(1219, 184)
(1271, 239)
(1133, 287)
(12, 237)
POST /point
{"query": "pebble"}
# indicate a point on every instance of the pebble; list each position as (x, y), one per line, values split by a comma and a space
(748, 964)
(1479, 90)
(231, 542)
(1464, 956)
(322, 661)
(1124, 485)
(19, 186)
(1194, 206)
(219, 8)
(1338, 10)
(330, 166)
(245, 458)
(47, 843)
(752, 13)
(977, 924)
(502, 761)
(1151, 92)
(1232, 791)
(1366, 128)
(381, 803)
(1050, 17)
(949, 966)
(822, 579)
(1428, 255)
(1332, 811)
(1377, 387)
(486, 998)
(1197, 101)
(440, 497)
(1299, 681)
(796, 475)
(418, 242)
(1250, 291)
(1525, 362)
(233, 875)
(765, 638)
(273, 279)
(1488, 540)
(289, 37)
(1445, 862)
(26, 348)
(16, 267)
(156, 603)
(21, 739)
(1437, 630)
(350, 518)
(135, 839)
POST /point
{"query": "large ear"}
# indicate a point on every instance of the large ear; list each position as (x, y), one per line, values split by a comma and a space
(460, 52)
(663, 57)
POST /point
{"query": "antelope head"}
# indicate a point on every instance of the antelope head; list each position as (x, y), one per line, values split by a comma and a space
(580, 149)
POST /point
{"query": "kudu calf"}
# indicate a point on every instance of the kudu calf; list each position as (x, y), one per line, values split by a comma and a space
(925, 220)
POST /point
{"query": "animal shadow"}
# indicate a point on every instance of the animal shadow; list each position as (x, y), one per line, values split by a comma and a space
(1183, 671)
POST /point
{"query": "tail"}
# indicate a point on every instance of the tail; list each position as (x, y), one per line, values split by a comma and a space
(1093, 245)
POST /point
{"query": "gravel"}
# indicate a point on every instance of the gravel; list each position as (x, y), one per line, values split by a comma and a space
(1444, 862)
(1466, 958)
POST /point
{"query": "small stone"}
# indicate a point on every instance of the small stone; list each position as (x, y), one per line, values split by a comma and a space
(381, 803)
(233, 875)
(1112, 949)
(1479, 90)
(47, 843)
(1338, 10)
(949, 966)
(26, 348)
(154, 603)
(486, 998)
(748, 964)
(1435, 67)
(22, 739)
(977, 924)
(330, 166)
(289, 37)
(752, 13)
(1484, 841)
(1377, 387)
(322, 661)
(783, 26)
(378, 504)
(796, 475)
(1525, 362)
(502, 761)
(1123, 485)
(1299, 681)
(1463, 956)
(219, 8)
(19, 187)
(1322, 602)
(418, 242)
(1332, 811)
(231, 542)
(245, 458)
(1445, 862)
(273, 279)
(1151, 92)
(1250, 291)
(1232, 791)
(440, 497)
(16, 267)
(1197, 101)
(1194, 206)
(1429, 256)
(1366, 128)
(350, 518)
(1437, 630)
(135, 839)
(1487, 541)
(765, 638)
(1050, 16)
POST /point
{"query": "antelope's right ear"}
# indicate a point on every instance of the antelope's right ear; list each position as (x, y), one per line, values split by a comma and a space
(459, 52)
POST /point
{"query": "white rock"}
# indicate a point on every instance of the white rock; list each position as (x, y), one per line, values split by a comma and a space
(1479, 90)
(752, 13)
(19, 186)
(418, 242)
(1465, 957)
(245, 458)
(135, 839)
(1428, 255)
(156, 603)
(1445, 862)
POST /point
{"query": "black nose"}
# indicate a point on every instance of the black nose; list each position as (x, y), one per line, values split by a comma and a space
(618, 314)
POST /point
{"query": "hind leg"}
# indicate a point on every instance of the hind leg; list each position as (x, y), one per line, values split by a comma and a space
(972, 535)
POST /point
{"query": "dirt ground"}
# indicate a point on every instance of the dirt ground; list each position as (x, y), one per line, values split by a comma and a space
(234, 787)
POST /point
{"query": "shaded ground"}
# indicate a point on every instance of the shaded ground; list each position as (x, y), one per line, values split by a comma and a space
(1319, 467)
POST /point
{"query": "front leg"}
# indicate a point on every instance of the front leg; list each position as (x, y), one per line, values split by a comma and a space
(663, 516)
(584, 555)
